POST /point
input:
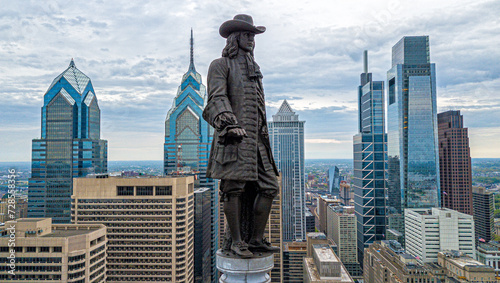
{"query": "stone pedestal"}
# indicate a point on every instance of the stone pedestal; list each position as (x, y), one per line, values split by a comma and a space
(248, 270)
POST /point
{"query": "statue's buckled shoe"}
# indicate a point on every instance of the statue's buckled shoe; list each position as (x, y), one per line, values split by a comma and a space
(241, 249)
(263, 246)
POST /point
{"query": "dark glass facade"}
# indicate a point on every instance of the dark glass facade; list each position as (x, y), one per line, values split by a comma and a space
(370, 164)
(412, 127)
(202, 235)
(188, 139)
(69, 147)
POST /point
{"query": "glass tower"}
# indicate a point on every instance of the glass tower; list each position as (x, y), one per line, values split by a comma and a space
(69, 147)
(370, 162)
(286, 134)
(413, 153)
(334, 181)
(188, 139)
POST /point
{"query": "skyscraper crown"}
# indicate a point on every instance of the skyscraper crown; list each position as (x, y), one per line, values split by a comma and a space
(75, 78)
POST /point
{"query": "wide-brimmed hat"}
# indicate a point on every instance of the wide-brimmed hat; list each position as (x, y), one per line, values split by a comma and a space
(240, 22)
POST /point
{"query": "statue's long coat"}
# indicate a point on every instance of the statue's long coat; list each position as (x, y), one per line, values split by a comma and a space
(230, 90)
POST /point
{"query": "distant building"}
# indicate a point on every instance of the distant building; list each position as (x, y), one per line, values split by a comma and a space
(334, 181)
(46, 252)
(323, 203)
(370, 162)
(20, 208)
(430, 231)
(70, 145)
(310, 221)
(462, 268)
(484, 207)
(345, 194)
(286, 134)
(412, 130)
(150, 225)
(202, 235)
(454, 162)
(188, 140)
(342, 230)
(386, 261)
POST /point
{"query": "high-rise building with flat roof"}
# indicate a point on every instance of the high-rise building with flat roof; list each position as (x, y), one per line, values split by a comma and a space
(150, 225)
(323, 265)
(342, 230)
(293, 260)
(46, 252)
(484, 207)
(323, 203)
(412, 133)
(188, 139)
(430, 231)
(286, 134)
(70, 145)
(454, 162)
(370, 162)
(202, 235)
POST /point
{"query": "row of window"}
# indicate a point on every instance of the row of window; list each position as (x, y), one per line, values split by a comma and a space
(33, 249)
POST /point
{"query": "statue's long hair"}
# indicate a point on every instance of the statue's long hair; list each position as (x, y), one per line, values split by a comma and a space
(232, 47)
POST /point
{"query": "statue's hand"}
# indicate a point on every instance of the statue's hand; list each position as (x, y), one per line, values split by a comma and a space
(237, 134)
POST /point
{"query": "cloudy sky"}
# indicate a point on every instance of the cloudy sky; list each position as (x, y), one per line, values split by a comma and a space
(136, 52)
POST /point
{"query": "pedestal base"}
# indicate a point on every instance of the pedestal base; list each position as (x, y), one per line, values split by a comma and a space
(249, 270)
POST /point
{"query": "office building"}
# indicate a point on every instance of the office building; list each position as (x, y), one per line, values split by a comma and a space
(46, 252)
(484, 207)
(430, 231)
(188, 139)
(386, 261)
(346, 194)
(370, 162)
(342, 230)
(334, 181)
(412, 131)
(150, 225)
(69, 147)
(20, 208)
(489, 254)
(322, 265)
(202, 235)
(323, 203)
(462, 268)
(454, 162)
(293, 258)
(310, 221)
(286, 134)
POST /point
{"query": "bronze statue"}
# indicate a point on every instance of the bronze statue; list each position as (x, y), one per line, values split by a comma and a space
(241, 153)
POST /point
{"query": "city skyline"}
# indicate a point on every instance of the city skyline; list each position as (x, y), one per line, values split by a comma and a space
(310, 55)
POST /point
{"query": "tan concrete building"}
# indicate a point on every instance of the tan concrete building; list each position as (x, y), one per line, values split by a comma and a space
(150, 225)
(463, 268)
(324, 266)
(321, 210)
(342, 230)
(386, 261)
(46, 252)
(20, 208)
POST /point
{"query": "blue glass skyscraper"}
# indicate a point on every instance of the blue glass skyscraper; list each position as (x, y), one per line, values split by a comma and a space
(188, 139)
(334, 181)
(413, 153)
(370, 162)
(286, 134)
(69, 147)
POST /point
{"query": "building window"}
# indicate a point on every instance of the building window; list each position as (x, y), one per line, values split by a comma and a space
(190, 188)
(164, 191)
(45, 249)
(31, 249)
(125, 191)
(57, 249)
(144, 191)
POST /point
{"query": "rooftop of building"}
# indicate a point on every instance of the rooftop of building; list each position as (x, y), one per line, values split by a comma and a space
(312, 271)
(295, 247)
(462, 260)
(316, 235)
(491, 246)
(43, 227)
(325, 253)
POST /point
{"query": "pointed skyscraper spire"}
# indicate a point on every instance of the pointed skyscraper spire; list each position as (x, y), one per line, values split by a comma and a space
(72, 63)
(191, 62)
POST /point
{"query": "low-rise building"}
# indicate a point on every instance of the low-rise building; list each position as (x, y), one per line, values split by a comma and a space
(463, 268)
(42, 251)
(489, 254)
(386, 261)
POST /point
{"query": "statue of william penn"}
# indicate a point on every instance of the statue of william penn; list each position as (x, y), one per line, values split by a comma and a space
(241, 155)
